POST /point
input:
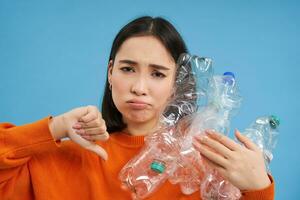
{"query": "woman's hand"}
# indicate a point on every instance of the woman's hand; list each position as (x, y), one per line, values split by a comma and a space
(243, 166)
(83, 126)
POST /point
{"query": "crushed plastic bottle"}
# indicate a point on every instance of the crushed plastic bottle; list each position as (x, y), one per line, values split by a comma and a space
(150, 168)
(215, 187)
(263, 132)
(223, 101)
(192, 79)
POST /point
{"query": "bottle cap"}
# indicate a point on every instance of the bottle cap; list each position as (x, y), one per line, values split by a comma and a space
(229, 77)
(229, 74)
(158, 166)
(274, 121)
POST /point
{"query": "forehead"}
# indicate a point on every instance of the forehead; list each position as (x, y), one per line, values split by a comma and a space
(145, 50)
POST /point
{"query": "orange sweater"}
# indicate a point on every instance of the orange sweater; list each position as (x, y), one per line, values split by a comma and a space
(34, 166)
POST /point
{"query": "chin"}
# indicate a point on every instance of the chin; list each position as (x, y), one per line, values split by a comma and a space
(140, 117)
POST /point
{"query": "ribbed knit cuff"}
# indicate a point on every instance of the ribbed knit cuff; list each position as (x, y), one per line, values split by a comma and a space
(262, 194)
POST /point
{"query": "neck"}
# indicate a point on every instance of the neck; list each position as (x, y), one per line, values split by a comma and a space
(139, 129)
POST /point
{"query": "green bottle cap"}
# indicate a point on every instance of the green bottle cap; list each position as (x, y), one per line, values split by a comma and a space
(158, 166)
(274, 121)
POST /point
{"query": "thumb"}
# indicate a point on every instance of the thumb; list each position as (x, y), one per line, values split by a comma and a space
(245, 140)
(97, 149)
(91, 146)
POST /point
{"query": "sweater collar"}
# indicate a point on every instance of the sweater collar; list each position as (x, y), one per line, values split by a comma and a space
(125, 139)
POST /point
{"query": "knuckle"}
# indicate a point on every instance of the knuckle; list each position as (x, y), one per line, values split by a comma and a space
(219, 137)
(93, 109)
(106, 136)
(98, 123)
(93, 116)
(91, 106)
(99, 137)
(103, 129)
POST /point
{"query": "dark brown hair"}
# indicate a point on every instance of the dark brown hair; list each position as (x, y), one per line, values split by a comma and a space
(162, 30)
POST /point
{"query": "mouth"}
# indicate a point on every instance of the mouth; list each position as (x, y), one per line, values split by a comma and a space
(137, 105)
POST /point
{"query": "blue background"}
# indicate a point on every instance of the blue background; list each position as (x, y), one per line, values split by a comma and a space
(53, 57)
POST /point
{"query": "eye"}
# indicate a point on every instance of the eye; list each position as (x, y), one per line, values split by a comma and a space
(127, 69)
(158, 74)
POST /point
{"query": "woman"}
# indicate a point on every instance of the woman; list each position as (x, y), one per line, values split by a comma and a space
(36, 164)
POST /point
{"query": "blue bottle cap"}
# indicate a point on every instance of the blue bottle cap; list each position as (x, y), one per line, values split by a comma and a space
(229, 77)
(229, 74)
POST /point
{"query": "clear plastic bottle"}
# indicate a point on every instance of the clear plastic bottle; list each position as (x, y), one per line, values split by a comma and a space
(215, 187)
(143, 174)
(223, 101)
(150, 168)
(263, 132)
(191, 87)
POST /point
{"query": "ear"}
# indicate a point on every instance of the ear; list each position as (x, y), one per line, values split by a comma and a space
(109, 71)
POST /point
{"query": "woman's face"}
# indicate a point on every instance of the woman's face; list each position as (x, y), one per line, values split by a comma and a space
(142, 79)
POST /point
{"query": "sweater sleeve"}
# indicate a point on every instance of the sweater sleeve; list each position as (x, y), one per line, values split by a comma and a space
(18, 143)
(262, 194)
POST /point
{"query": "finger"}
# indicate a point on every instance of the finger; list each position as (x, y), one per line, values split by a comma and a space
(92, 131)
(215, 145)
(246, 141)
(92, 114)
(92, 124)
(215, 166)
(98, 150)
(89, 145)
(77, 125)
(212, 156)
(229, 143)
(102, 137)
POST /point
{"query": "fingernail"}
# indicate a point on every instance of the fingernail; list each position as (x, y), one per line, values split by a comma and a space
(196, 144)
(203, 138)
(208, 132)
(105, 158)
(81, 131)
(212, 131)
(198, 138)
(86, 137)
(195, 139)
(76, 125)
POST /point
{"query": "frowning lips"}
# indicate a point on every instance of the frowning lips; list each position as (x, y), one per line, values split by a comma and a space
(137, 104)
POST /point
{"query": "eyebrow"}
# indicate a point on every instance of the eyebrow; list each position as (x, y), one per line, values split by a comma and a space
(156, 66)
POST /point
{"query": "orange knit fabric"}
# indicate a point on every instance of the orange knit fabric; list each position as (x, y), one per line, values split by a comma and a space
(34, 166)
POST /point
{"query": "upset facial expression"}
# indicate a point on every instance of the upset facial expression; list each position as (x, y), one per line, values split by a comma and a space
(142, 79)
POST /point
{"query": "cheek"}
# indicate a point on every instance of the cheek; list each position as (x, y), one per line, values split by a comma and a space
(119, 91)
(120, 83)
(119, 87)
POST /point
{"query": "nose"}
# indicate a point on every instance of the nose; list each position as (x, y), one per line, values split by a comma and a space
(139, 87)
